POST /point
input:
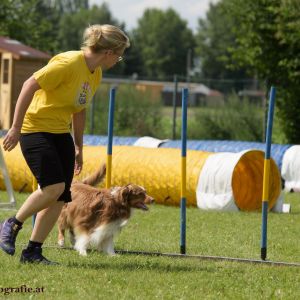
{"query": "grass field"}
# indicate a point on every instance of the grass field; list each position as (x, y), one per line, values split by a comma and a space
(140, 277)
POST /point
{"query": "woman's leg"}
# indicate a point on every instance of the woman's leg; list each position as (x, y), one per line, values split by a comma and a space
(39, 200)
(45, 221)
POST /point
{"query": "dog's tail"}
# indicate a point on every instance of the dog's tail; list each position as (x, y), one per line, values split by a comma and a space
(97, 177)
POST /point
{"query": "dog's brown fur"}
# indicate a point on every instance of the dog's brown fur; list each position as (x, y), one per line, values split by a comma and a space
(95, 215)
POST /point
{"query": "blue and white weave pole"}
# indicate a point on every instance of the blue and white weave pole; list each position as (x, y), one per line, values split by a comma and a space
(265, 196)
(183, 173)
(110, 136)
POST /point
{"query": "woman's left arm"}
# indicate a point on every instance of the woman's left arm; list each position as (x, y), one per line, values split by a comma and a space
(78, 129)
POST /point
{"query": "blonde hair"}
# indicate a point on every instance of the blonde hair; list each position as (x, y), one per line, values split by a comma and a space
(104, 37)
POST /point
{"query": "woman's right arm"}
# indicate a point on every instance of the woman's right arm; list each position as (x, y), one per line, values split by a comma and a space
(11, 139)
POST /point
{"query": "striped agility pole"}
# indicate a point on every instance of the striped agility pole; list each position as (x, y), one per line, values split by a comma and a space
(265, 196)
(183, 172)
(110, 136)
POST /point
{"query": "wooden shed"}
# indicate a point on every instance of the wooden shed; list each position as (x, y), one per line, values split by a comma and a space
(17, 63)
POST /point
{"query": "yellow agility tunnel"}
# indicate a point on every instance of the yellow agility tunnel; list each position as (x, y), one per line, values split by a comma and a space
(222, 181)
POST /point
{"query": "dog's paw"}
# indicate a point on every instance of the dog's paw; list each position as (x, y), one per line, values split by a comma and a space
(82, 252)
(61, 243)
(115, 255)
(112, 254)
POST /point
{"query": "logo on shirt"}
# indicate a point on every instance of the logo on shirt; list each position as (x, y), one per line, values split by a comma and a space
(84, 94)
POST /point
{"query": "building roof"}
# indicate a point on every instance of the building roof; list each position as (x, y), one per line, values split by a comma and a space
(167, 86)
(195, 88)
(252, 93)
(20, 51)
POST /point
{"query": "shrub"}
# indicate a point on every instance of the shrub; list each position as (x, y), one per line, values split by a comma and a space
(235, 120)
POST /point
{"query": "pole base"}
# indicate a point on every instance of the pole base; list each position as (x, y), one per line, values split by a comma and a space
(263, 253)
(182, 250)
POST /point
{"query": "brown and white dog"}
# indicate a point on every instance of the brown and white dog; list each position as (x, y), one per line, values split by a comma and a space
(95, 215)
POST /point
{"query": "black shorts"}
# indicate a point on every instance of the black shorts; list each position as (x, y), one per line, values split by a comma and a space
(51, 159)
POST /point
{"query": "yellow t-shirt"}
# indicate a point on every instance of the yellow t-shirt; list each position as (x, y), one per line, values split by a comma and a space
(67, 86)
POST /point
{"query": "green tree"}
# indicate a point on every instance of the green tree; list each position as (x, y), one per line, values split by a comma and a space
(30, 22)
(214, 38)
(69, 6)
(162, 39)
(268, 39)
(133, 65)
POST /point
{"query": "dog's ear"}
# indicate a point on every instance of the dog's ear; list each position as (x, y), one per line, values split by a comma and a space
(126, 192)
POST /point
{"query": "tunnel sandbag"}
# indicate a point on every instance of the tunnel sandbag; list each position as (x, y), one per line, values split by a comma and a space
(149, 142)
(232, 181)
(290, 170)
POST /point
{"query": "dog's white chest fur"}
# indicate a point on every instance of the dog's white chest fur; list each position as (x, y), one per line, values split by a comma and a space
(102, 237)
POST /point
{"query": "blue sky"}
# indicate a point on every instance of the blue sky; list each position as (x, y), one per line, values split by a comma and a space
(129, 11)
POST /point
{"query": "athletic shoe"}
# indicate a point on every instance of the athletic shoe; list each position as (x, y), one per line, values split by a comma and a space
(34, 256)
(8, 234)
